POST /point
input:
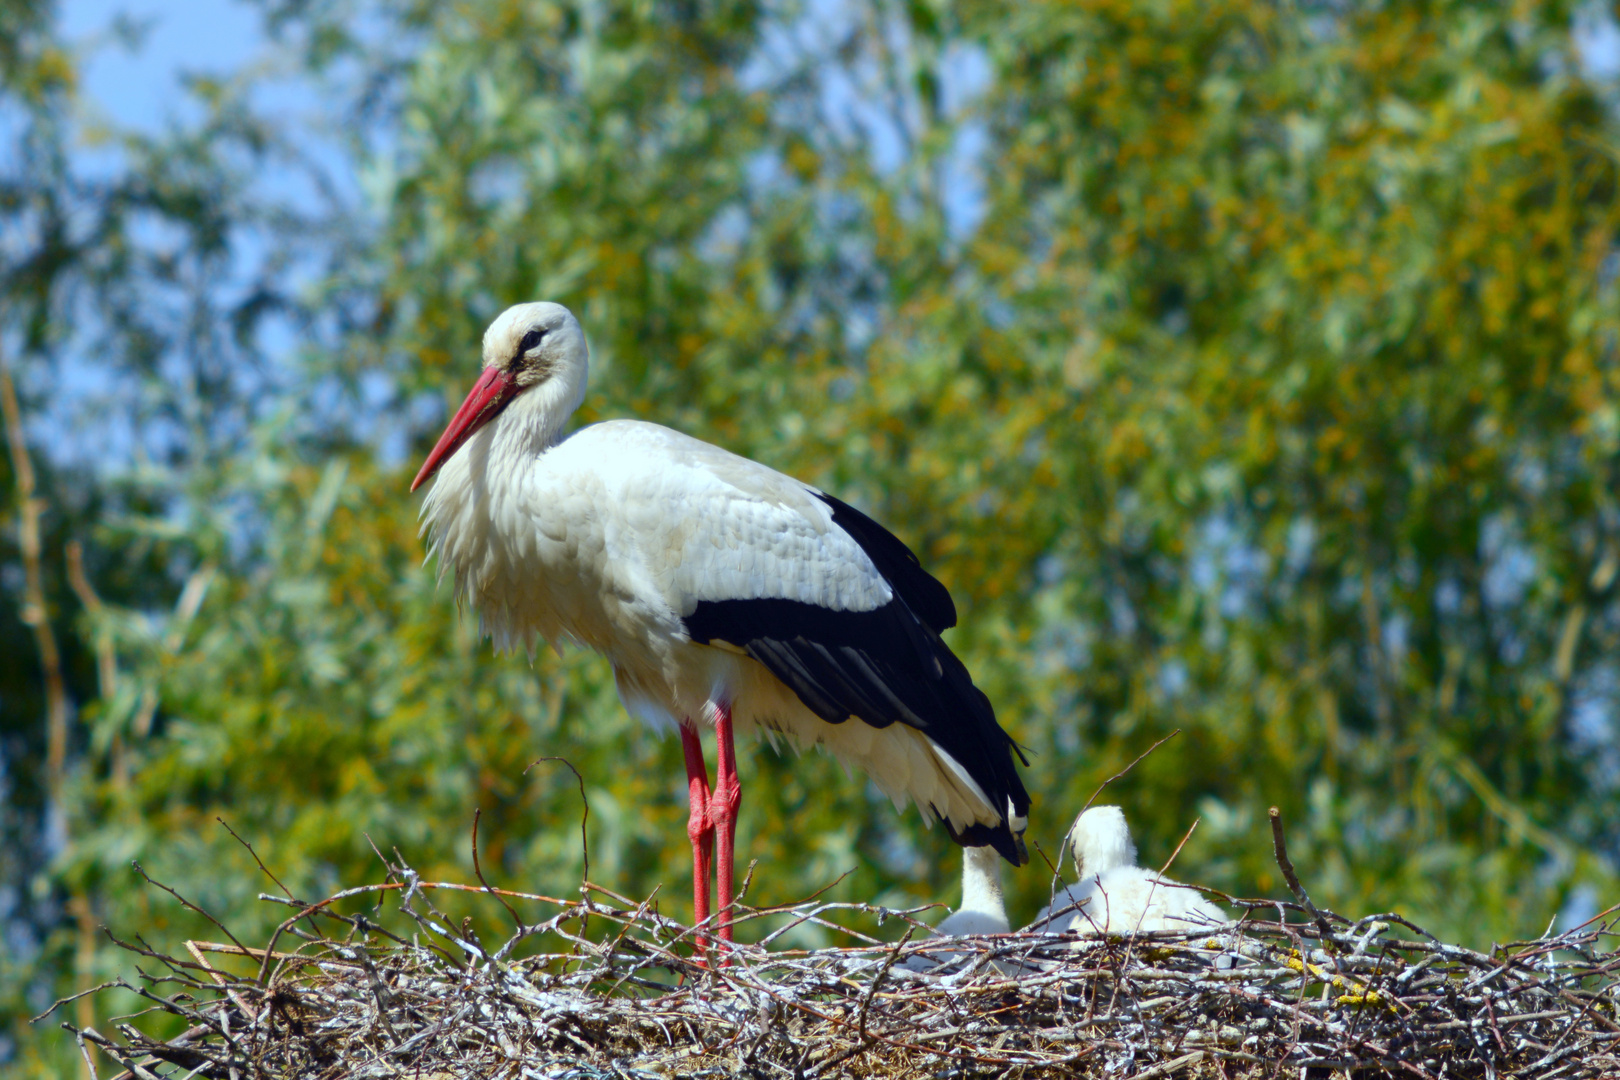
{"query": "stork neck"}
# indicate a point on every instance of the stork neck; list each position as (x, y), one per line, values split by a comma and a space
(981, 882)
(533, 424)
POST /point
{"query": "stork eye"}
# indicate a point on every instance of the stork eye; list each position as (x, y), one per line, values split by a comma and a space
(531, 339)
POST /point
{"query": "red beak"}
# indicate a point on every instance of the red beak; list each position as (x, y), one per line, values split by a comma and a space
(492, 393)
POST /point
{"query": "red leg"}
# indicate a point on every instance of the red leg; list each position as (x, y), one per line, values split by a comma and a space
(723, 805)
(698, 826)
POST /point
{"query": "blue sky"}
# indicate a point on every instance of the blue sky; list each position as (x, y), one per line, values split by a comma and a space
(142, 88)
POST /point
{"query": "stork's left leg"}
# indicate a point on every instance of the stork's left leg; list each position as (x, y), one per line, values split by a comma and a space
(698, 826)
(724, 802)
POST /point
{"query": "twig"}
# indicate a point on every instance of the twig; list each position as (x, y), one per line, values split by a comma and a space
(585, 803)
(1162, 871)
(1279, 848)
(1121, 774)
(478, 870)
(188, 904)
(584, 839)
(75, 997)
(90, 1065)
(262, 867)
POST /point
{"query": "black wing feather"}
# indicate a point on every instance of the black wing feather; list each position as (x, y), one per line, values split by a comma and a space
(930, 600)
(883, 666)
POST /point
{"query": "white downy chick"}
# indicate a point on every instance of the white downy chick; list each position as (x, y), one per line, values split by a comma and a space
(982, 911)
(1114, 895)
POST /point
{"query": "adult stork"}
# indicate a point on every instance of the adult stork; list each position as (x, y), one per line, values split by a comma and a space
(722, 591)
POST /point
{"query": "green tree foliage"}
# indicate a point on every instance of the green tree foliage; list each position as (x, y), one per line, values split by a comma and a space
(1273, 400)
(1325, 317)
(130, 322)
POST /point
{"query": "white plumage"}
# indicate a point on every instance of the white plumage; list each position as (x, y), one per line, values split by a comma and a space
(1114, 895)
(703, 523)
(722, 591)
(983, 910)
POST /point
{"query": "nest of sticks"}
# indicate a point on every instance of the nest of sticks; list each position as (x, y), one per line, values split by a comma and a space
(607, 987)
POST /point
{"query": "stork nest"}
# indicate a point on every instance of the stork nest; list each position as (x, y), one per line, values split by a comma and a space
(606, 987)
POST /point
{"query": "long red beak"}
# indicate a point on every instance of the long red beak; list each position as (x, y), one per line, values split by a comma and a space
(492, 393)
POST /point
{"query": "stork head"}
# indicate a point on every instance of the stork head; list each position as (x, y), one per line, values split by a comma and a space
(1101, 841)
(535, 352)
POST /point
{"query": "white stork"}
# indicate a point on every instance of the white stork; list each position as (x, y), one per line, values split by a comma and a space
(722, 591)
(1115, 896)
(983, 910)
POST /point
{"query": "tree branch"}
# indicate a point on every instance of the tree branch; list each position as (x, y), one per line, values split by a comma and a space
(33, 607)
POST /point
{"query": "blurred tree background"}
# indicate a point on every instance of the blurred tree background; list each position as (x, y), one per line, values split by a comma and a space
(1245, 368)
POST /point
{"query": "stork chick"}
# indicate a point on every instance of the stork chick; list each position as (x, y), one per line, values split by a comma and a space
(1114, 895)
(983, 911)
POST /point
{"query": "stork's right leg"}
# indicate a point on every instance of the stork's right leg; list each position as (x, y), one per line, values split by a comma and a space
(724, 801)
(698, 825)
